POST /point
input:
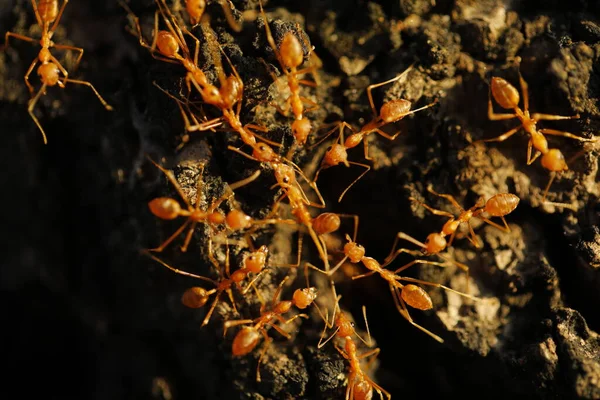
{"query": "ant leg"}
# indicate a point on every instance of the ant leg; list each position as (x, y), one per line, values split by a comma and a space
(298, 256)
(524, 90)
(281, 331)
(72, 48)
(37, 14)
(266, 344)
(367, 169)
(407, 279)
(262, 129)
(229, 324)
(229, 17)
(376, 85)
(551, 117)
(401, 307)
(171, 238)
(419, 261)
(365, 275)
(394, 253)
(338, 125)
(504, 228)
(245, 181)
(472, 238)
(530, 159)
(552, 176)
(30, 108)
(287, 321)
(314, 106)
(16, 36)
(502, 137)
(171, 177)
(104, 103)
(59, 16)
(188, 237)
(278, 291)
(492, 116)
(270, 39)
(212, 308)
(448, 197)
(569, 135)
(180, 272)
(31, 67)
(434, 210)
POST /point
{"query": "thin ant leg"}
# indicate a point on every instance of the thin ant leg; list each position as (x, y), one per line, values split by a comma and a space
(188, 237)
(266, 344)
(569, 135)
(394, 253)
(551, 117)
(338, 125)
(72, 48)
(58, 16)
(367, 169)
(502, 137)
(229, 324)
(29, 71)
(88, 84)
(30, 108)
(552, 177)
(16, 36)
(376, 85)
(530, 159)
(365, 275)
(431, 209)
(171, 238)
(504, 228)
(171, 177)
(178, 271)
(229, 16)
(448, 197)
(524, 89)
(437, 285)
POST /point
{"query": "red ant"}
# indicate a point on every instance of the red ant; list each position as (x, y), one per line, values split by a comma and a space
(195, 10)
(290, 56)
(507, 96)
(498, 205)
(48, 16)
(390, 112)
(197, 297)
(360, 385)
(169, 44)
(248, 337)
(168, 208)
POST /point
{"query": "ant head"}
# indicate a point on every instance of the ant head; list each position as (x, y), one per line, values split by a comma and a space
(164, 208)
(195, 9)
(505, 94)
(304, 297)
(416, 297)
(434, 244)
(285, 175)
(264, 153)
(336, 154)
(291, 51)
(301, 129)
(211, 95)
(345, 325)
(394, 110)
(194, 297)
(256, 260)
(354, 251)
(167, 44)
(554, 161)
(49, 74)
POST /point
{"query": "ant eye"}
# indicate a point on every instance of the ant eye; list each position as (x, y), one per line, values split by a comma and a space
(352, 324)
(251, 258)
(286, 180)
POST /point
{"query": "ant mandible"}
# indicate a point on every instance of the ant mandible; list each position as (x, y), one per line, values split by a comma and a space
(248, 337)
(507, 96)
(48, 16)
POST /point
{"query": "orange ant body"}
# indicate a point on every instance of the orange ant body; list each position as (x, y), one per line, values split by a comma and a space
(507, 96)
(197, 297)
(360, 385)
(390, 112)
(410, 294)
(195, 10)
(167, 208)
(248, 337)
(48, 16)
(290, 56)
(169, 44)
(498, 205)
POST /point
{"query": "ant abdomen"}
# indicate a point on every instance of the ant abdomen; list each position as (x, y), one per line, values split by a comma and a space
(504, 93)
(165, 208)
(416, 297)
(501, 204)
(195, 297)
(291, 51)
(167, 44)
(326, 223)
(245, 341)
(554, 160)
(394, 110)
(48, 10)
